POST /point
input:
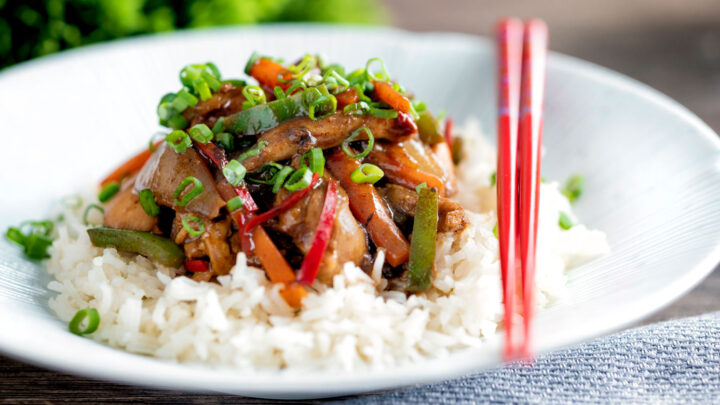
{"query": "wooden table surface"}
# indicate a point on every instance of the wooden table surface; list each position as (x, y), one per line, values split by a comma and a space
(671, 45)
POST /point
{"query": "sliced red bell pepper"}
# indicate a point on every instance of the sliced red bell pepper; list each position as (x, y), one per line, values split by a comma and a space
(217, 156)
(197, 266)
(311, 263)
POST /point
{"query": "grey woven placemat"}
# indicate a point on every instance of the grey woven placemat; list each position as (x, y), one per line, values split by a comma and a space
(671, 362)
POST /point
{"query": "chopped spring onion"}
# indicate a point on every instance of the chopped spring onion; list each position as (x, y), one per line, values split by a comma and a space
(90, 208)
(147, 201)
(381, 76)
(267, 173)
(300, 179)
(234, 203)
(177, 122)
(202, 88)
(108, 191)
(178, 140)
(196, 189)
(574, 187)
(325, 105)
(279, 93)
(199, 228)
(360, 108)
(201, 133)
(383, 113)
(295, 85)
(279, 178)
(226, 140)
(211, 81)
(420, 187)
(234, 172)
(564, 221)
(254, 95)
(307, 63)
(183, 99)
(315, 159)
(34, 236)
(495, 230)
(254, 151)
(367, 173)
(353, 137)
(493, 179)
(219, 126)
(251, 62)
(93, 321)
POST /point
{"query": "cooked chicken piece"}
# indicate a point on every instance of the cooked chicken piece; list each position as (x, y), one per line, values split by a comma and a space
(347, 239)
(166, 170)
(299, 135)
(213, 243)
(124, 211)
(227, 101)
(402, 201)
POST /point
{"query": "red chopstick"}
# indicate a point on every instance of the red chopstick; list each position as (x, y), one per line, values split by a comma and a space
(522, 53)
(530, 139)
(509, 38)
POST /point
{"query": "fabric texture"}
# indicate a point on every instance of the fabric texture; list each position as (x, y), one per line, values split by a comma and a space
(671, 362)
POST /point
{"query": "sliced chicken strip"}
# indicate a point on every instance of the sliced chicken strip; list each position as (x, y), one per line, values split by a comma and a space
(298, 135)
(124, 211)
(452, 217)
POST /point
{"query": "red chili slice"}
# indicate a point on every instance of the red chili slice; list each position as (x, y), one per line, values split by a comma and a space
(311, 263)
(197, 266)
(448, 131)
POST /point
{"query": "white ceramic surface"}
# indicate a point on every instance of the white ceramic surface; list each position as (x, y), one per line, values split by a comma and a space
(652, 171)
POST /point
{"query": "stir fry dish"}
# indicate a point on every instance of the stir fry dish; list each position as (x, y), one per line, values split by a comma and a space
(310, 168)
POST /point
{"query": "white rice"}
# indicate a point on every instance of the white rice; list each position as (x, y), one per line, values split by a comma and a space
(242, 320)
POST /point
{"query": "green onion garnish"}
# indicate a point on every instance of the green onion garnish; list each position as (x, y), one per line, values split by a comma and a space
(190, 229)
(300, 179)
(254, 95)
(201, 133)
(315, 159)
(574, 187)
(495, 230)
(267, 173)
(219, 126)
(251, 62)
(381, 76)
(211, 81)
(234, 172)
(254, 151)
(367, 173)
(90, 208)
(226, 140)
(279, 178)
(178, 140)
(183, 99)
(324, 105)
(202, 88)
(420, 187)
(177, 122)
(383, 113)
(360, 108)
(35, 240)
(196, 189)
(353, 136)
(147, 201)
(294, 86)
(564, 221)
(279, 93)
(234, 203)
(93, 321)
(493, 179)
(108, 191)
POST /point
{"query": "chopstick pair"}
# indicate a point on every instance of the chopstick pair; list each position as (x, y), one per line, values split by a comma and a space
(522, 58)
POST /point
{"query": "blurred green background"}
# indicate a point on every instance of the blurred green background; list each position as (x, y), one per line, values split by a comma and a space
(39, 27)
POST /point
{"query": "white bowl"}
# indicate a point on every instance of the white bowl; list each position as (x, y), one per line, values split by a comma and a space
(652, 170)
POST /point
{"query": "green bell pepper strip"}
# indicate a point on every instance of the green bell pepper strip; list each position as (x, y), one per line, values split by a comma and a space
(260, 118)
(429, 129)
(154, 247)
(422, 245)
